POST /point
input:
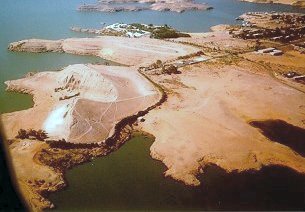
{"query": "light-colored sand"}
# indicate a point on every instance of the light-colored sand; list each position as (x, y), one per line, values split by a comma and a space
(80, 103)
(291, 60)
(32, 176)
(128, 51)
(219, 41)
(206, 120)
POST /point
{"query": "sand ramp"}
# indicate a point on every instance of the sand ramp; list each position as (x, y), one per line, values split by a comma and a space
(80, 103)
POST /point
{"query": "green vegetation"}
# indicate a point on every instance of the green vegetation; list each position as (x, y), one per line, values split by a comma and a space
(166, 32)
(63, 144)
(170, 69)
(160, 32)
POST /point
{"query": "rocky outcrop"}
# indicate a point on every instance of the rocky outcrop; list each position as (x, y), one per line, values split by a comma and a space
(36, 46)
(158, 5)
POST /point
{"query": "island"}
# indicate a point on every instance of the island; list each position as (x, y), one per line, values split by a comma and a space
(137, 5)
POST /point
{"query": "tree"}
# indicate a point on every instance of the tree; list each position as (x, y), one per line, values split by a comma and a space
(171, 69)
(41, 135)
(22, 134)
(32, 132)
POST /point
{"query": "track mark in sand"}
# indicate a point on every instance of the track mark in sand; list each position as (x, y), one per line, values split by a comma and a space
(82, 135)
(90, 128)
(153, 51)
(87, 131)
(105, 111)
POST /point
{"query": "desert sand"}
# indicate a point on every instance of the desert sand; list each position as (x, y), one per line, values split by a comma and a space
(218, 42)
(32, 176)
(81, 103)
(127, 51)
(206, 117)
(205, 121)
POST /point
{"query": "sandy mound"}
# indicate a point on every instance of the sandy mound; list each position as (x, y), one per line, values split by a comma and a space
(80, 103)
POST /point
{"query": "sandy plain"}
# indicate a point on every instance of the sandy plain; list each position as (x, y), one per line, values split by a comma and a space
(206, 121)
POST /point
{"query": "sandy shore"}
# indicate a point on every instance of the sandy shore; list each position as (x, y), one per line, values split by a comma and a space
(127, 51)
(33, 177)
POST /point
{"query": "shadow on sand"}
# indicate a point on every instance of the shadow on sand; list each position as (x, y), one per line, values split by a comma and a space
(284, 133)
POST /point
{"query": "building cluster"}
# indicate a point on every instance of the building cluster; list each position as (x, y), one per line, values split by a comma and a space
(288, 18)
(295, 76)
(283, 34)
(288, 27)
(117, 29)
(272, 51)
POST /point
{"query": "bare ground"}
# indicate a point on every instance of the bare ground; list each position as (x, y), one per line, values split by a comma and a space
(206, 122)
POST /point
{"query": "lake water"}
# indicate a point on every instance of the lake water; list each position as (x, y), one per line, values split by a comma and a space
(129, 178)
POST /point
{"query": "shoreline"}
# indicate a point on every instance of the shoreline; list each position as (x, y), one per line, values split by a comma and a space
(122, 133)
